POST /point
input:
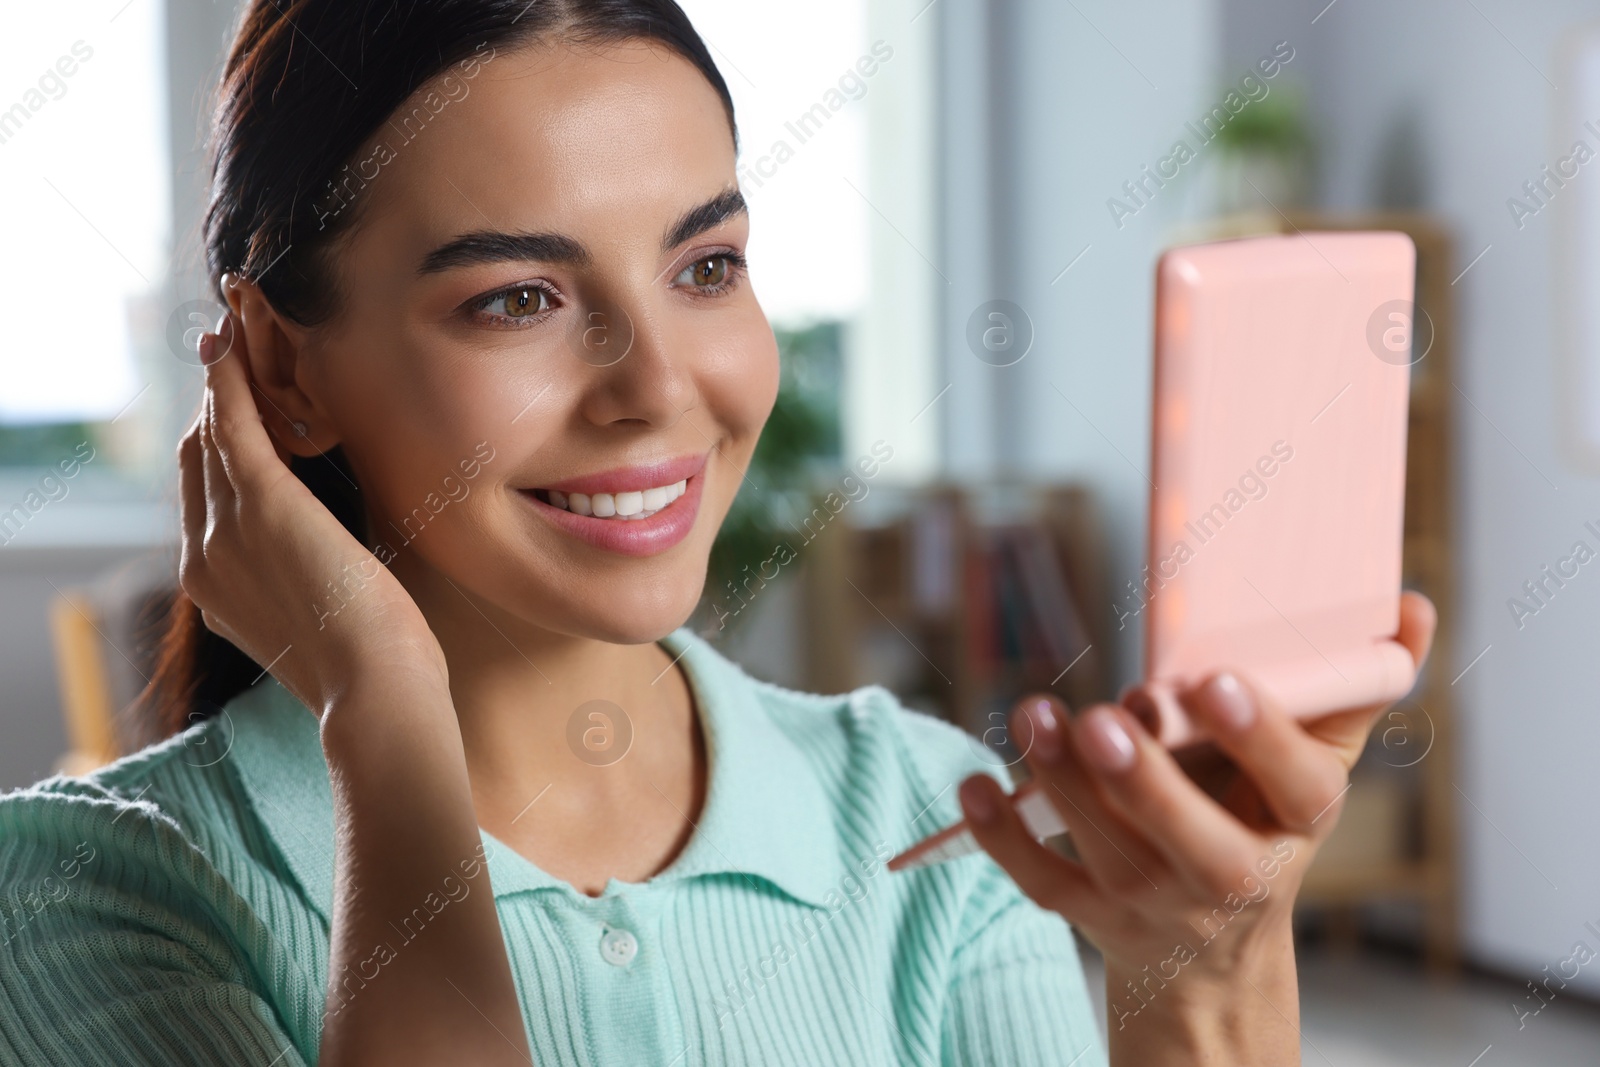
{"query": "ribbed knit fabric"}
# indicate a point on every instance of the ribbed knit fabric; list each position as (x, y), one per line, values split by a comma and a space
(174, 907)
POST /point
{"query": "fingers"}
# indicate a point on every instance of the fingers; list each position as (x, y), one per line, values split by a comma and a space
(218, 487)
(1347, 731)
(209, 492)
(1419, 620)
(1115, 855)
(1298, 776)
(237, 430)
(1051, 880)
(1199, 839)
(191, 502)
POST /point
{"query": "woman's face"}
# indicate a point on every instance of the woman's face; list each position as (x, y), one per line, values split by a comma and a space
(548, 368)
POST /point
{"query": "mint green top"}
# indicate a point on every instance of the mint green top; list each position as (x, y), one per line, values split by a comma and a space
(173, 908)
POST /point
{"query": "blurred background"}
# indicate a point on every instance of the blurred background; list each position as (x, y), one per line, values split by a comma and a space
(956, 217)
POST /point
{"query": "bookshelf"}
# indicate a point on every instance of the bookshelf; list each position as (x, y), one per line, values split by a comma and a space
(964, 602)
(1396, 838)
(1400, 843)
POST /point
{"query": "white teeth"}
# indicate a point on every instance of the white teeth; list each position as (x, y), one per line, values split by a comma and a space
(639, 504)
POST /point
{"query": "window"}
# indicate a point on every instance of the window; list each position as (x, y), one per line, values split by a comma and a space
(833, 100)
(83, 165)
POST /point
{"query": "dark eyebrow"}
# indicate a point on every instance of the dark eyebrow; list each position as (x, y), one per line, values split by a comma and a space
(493, 246)
(719, 209)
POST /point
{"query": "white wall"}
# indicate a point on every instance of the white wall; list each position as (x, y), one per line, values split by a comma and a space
(1087, 93)
(1466, 88)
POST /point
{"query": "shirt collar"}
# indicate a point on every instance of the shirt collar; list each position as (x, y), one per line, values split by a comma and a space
(766, 814)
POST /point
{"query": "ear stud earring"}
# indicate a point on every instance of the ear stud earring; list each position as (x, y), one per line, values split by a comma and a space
(299, 428)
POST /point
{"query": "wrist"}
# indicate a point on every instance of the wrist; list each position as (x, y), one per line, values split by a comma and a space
(344, 674)
(1233, 999)
(372, 711)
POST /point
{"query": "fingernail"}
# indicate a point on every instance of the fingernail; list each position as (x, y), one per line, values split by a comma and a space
(1230, 703)
(1104, 742)
(208, 348)
(1046, 731)
(979, 804)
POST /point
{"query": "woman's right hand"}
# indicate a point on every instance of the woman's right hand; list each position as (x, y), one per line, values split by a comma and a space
(270, 567)
(261, 556)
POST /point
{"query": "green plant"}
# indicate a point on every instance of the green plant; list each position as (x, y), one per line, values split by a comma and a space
(1275, 124)
(801, 436)
(39, 444)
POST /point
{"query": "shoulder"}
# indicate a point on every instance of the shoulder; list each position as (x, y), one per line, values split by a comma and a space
(168, 819)
(143, 784)
(871, 728)
(144, 901)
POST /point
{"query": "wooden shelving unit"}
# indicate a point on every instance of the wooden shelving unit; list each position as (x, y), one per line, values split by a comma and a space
(1396, 839)
(923, 588)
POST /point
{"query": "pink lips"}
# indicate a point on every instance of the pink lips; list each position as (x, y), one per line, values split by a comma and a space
(633, 479)
(630, 537)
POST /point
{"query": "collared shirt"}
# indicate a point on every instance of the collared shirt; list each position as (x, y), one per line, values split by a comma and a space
(174, 907)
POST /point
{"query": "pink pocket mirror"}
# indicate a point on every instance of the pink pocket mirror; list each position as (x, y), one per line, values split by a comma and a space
(1282, 380)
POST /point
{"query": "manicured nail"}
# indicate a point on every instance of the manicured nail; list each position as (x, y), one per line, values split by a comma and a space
(208, 348)
(1231, 704)
(1104, 742)
(980, 805)
(1046, 730)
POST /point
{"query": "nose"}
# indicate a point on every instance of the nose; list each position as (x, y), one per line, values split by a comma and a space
(635, 376)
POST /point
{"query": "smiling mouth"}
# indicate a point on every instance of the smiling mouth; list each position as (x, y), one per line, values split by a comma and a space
(627, 506)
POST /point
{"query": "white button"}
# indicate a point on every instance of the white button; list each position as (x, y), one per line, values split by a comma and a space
(618, 947)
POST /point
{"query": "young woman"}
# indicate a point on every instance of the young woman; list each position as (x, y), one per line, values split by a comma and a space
(462, 790)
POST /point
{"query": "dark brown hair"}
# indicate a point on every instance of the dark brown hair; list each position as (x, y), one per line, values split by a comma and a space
(307, 83)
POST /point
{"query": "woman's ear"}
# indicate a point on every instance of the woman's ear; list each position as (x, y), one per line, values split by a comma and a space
(275, 351)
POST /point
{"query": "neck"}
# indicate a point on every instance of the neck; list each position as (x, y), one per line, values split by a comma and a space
(540, 708)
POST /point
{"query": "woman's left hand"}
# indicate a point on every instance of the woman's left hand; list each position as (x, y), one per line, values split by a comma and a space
(1187, 864)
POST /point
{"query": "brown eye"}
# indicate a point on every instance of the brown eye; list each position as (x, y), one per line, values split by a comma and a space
(713, 270)
(521, 302)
